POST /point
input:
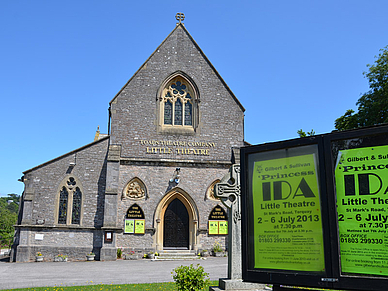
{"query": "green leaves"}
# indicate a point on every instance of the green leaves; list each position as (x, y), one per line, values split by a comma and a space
(301, 133)
(372, 105)
(8, 218)
(189, 278)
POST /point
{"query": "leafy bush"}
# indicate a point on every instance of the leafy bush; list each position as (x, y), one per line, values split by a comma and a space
(119, 253)
(189, 278)
(8, 218)
(217, 247)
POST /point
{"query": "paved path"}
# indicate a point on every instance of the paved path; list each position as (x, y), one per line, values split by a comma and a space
(25, 275)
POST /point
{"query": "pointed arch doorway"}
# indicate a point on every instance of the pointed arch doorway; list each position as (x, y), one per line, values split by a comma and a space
(176, 219)
(176, 226)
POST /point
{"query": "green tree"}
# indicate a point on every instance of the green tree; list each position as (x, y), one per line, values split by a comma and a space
(7, 221)
(301, 133)
(8, 217)
(372, 105)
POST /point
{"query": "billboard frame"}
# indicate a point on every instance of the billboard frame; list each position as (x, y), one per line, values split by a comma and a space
(332, 276)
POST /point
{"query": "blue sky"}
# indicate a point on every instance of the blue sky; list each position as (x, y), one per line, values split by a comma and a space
(292, 64)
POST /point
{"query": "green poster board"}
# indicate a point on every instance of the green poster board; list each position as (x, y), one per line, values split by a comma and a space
(213, 227)
(223, 227)
(361, 177)
(134, 226)
(129, 226)
(140, 226)
(286, 206)
(218, 227)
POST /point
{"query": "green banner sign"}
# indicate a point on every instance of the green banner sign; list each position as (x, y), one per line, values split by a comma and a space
(218, 227)
(288, 226)
(134, 226)
(213, 227)
(223, 227)
(129, 226)
(140, 226)
(361, 177)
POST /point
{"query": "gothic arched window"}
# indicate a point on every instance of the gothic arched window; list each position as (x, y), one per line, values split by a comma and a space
(70, 202)
(76, 209)
(63, 201)
(178, 105)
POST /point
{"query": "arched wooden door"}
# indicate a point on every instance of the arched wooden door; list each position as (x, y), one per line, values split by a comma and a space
(176, 226)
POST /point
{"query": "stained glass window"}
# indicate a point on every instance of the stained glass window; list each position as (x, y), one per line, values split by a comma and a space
(70, 202)
(178, 106)
(178, 113)
(178, 87)
(71, 182)
(63, 201)
(76, 212)
(188, 114)
(168, 112)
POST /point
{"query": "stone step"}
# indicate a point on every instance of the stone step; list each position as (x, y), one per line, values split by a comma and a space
(167, 254)
(177, 252)
(158, 258)
(176, 255)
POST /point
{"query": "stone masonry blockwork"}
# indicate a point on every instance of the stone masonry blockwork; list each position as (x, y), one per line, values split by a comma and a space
(139, 148)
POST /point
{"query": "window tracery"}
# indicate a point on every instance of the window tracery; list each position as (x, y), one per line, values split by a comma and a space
(70, 202)
(178, 105)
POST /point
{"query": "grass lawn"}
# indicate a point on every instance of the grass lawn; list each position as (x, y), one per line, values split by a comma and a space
(169, 286)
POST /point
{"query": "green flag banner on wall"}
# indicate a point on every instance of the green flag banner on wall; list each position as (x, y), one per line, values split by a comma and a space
(288, 225)
(361, 177)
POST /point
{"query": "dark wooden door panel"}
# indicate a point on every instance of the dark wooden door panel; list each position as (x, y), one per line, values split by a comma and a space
(176, 226)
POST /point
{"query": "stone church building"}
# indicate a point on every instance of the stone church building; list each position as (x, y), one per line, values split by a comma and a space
(174, 130)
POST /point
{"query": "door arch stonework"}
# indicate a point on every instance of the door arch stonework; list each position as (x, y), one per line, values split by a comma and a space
(188, 202)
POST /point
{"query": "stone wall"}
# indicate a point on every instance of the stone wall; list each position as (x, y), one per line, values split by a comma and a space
(135, 108)
(103, 168)
(43, 184)
(51, 242)
(40, 205)
(194, 180)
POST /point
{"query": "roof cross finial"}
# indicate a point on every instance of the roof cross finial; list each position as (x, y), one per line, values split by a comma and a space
(180, 17)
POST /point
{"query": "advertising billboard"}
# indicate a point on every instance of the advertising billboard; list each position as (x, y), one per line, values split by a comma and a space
(315, 211)
(288, 229)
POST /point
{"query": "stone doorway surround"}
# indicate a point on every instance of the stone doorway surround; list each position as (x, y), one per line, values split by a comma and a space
(188, 202)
